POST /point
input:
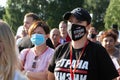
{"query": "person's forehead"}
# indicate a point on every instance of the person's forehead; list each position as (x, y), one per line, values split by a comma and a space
(39, 29)
(108, 38)
(63, 25)
(55, 32)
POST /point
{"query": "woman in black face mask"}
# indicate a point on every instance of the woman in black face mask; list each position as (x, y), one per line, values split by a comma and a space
(80, 59)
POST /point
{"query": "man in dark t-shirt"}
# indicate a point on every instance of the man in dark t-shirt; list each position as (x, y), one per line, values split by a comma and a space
(95, 64)
(81, 59)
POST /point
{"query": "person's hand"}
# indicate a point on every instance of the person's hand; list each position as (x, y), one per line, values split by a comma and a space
(118, 78)
(23, 33)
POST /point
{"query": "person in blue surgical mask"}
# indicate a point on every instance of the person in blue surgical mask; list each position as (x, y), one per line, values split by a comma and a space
(80, 59)
(35, 60)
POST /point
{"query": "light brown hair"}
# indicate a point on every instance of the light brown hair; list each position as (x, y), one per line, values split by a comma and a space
(41, 24)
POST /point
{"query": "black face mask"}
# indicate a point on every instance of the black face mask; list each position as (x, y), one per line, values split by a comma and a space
(92, 36)
(76, 32)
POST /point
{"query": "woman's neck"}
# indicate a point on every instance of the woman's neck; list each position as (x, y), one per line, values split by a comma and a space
(40, 49)
(111, 51)
(64, 36)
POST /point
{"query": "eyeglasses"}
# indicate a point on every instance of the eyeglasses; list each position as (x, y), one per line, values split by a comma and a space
(35, 62)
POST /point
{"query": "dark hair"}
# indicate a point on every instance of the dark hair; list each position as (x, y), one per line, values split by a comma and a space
(33, 15)
(39, 24)
(115, 31)
(115, 26)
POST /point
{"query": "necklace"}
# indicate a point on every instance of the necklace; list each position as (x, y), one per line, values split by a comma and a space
(72, 71)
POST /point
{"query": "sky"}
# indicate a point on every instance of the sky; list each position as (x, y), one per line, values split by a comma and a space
(3, 3)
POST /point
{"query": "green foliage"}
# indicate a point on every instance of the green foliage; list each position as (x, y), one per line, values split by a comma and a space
(97, 8)
(16, 9)
(52, 10)
(13, 14)
(49, 10)
(56, 8)
(112, 14)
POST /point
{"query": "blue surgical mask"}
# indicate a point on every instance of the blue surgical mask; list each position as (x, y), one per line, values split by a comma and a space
(37, 39)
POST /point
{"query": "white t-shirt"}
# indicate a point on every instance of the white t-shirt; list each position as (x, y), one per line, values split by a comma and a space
(19, 31)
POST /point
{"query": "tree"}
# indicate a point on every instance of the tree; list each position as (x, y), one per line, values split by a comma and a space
(97, 8)
(16, 9)
(112, 14)
(13, 14)
(57, 8)
(49, 10)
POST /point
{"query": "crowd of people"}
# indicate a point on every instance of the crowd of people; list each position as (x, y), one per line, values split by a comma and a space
(74, 50)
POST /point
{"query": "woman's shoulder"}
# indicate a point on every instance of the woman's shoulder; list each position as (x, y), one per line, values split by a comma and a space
(51, 49)
(25, 50)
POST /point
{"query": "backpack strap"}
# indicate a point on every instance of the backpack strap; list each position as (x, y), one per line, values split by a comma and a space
(25, 57)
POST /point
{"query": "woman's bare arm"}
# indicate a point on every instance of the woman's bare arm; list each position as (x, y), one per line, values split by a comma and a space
(51, 76)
